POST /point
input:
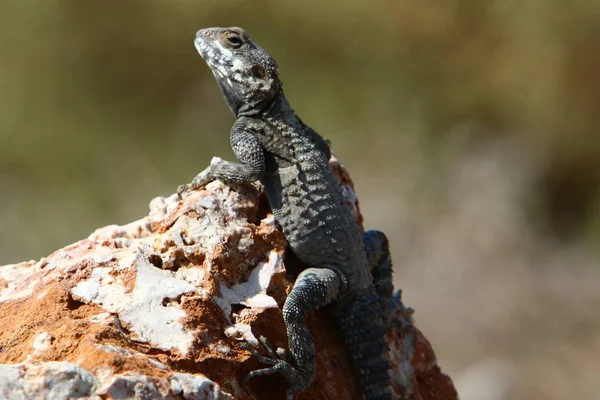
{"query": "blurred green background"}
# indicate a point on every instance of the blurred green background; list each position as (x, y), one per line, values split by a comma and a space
(469, 127)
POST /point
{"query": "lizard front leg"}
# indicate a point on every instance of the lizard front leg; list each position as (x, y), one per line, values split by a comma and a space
(248, 151)
(314, 288)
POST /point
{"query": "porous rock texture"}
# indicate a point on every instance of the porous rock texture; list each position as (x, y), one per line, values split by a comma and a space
(157, 309)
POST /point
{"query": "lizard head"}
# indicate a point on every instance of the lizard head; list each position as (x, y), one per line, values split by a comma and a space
(246, 74)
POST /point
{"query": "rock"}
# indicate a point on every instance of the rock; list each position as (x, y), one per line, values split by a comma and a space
(156, 309)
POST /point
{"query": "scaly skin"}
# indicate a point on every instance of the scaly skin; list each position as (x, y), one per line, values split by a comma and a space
(347, 271)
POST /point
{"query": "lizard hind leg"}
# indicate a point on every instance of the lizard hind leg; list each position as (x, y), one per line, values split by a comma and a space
(377, 250)
(314, 288)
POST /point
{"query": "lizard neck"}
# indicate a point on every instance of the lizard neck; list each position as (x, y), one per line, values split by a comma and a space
(279, 109)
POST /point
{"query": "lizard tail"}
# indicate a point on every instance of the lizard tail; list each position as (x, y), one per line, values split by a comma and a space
(364, 332)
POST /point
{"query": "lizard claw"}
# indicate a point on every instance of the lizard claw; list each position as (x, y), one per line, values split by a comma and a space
(200, 180)
(273, 358)
(181, 189)
(277, 360)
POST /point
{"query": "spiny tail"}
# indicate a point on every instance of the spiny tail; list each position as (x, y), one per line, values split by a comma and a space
(363, 329)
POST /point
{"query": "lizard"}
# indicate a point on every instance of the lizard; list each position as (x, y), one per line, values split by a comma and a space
(345, 270)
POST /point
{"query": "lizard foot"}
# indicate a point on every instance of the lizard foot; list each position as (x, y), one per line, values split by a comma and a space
(181, 189)
(277, 360)
(200, 180)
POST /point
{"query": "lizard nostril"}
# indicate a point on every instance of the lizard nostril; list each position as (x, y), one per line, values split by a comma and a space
(203, 32)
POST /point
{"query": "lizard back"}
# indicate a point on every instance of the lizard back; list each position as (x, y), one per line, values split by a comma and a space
(307, 201)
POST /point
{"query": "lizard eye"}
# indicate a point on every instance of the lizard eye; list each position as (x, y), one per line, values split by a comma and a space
(234, 41)
(257, 71)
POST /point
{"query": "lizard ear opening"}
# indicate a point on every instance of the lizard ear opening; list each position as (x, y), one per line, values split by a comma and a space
(258, 71)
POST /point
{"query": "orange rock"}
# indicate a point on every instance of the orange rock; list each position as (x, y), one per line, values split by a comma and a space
(157, 309)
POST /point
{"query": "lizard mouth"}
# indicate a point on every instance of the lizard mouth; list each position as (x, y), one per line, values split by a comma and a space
(217, 57)
(207, 51)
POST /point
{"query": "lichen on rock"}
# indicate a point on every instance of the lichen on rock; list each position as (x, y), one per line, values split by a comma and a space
(156, 309)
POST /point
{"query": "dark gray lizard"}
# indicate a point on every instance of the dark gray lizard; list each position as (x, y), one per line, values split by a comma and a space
(346, 270)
